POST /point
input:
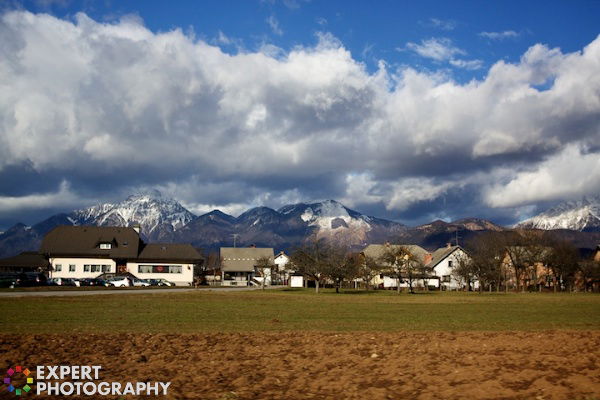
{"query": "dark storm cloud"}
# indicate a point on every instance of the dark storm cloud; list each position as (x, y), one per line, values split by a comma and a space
(93, 111)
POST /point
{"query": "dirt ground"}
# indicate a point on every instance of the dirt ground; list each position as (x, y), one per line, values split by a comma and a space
(288, 365)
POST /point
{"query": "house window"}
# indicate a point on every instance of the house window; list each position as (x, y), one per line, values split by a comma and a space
(160, 269)
(71, 267)
(105, 246)
(95, 268)
(106, 268)
(86, 268)
(58, 267)
(449, 263)
(446, 278)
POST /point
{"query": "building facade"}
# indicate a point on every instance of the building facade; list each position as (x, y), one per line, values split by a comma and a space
(89, 251)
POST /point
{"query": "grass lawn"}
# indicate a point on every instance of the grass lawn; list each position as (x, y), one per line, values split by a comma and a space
(299, 310)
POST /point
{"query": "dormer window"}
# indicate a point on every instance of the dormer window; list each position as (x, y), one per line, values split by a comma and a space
(105, 246)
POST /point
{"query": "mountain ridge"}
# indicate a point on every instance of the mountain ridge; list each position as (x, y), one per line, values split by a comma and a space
(164, 219)
(582, 215)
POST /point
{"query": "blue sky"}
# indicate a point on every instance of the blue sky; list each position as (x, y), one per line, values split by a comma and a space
(371, 31)
(404, 110)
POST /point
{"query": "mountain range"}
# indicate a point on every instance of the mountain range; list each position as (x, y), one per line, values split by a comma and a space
(582, 215)
(163, 219)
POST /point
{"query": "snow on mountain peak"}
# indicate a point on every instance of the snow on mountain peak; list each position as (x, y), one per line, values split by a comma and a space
(575, 215)
(149, 210)
(327, 214)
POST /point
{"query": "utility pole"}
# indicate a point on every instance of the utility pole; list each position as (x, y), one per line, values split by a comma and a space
(235, 236)
(456, 232)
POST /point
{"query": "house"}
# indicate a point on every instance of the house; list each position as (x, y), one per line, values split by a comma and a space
(173, 262)
(442, 263)
(532, 267)
(89, 251)
(27, 261)
(282, 261)
(239, 265)
(378, 250)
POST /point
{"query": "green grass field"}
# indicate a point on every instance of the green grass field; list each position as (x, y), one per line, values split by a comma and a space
(298, 310)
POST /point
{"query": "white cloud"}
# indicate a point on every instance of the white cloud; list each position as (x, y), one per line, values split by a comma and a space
(414, 190)
(446, 25)
(61, 198)
(439, 49)
(566, 175)
(499, 35)
(99, 102)
(274, 24)
(321, 21)
(467, 64)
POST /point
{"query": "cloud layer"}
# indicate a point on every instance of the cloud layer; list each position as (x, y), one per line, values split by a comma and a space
(111, 107)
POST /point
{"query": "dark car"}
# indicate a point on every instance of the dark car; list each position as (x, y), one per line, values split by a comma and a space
(160, 282)
(93, 282)
(8, 280)
(27, 279)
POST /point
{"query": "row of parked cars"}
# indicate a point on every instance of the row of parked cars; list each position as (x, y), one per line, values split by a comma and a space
(118, 281)
(29, 279)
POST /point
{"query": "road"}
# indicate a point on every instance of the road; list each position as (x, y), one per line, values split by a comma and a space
(59, 293)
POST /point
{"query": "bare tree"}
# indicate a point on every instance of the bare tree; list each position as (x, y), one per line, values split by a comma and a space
(339, 265)
(402, 264)
(212, 265)
(562, 261)
(589, 271)
(264, 266)
(309, 260)
(486, 252)
(525, 250)
(425, 272)
(465, 270)
(368, 268)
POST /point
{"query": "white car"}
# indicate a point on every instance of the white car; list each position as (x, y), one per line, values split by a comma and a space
(118, 282)
(140, 282)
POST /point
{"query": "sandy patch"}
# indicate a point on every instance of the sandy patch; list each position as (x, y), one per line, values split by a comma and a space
(288, 365)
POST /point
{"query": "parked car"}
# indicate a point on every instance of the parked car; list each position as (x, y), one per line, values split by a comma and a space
(8, 280)
(94, 282)
(64, 282)
(160, 282)
(31, 279)
(119, 281)
(140, 282)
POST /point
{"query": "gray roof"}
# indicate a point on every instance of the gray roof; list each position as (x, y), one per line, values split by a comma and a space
(85, 241)
(377, 250)
(243, 259)
(440, 254)
(26, 259)
(163, 252)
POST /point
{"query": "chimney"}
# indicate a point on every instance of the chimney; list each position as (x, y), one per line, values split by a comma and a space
(387, 244)
(427, 258)
(448, 245)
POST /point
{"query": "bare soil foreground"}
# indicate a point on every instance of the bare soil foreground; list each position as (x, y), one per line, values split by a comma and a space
(318, 365)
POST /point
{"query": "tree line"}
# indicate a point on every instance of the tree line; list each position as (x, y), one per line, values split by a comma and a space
(508, 261)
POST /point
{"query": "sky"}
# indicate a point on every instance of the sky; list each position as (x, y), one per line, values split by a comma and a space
(410, 111)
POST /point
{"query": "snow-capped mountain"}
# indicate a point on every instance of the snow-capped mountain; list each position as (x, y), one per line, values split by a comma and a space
(157, 216)
(582, 215)
(289, 226)
(165, 220)
(332, 220)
